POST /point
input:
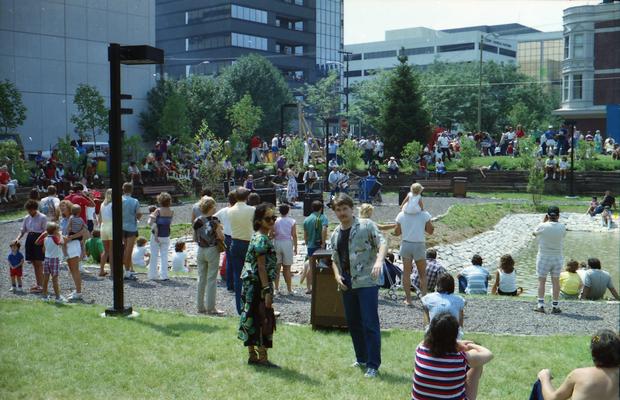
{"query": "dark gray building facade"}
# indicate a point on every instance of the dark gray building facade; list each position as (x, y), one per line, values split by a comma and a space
(300, 37)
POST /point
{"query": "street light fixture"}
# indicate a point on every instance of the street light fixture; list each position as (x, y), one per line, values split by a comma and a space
(117, 55)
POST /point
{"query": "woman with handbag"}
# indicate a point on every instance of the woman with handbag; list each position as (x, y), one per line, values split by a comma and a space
(257, 321)
(209, 235)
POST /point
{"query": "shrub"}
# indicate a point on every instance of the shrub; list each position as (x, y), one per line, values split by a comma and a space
(468, 152)
(11, 155)
(294, 153)
(351, 154)
(410, 154)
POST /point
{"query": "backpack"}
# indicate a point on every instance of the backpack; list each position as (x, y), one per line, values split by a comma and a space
(205, 228)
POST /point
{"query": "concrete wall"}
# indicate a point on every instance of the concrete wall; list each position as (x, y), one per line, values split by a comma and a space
(47, 48)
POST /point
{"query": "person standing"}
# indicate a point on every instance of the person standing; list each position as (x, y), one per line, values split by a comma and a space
(105, 226)
(49, 205)
(257, 320)
(358, 251)
(131, 215)
(222, 216)
(33, 226)
(81, 199)
(291, 185)
(160, 237)
(413, 227)
(285, 235)
(241, 228)
(550, 258)
(315, 235)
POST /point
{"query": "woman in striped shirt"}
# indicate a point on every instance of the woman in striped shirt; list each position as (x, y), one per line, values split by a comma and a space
(445, 368)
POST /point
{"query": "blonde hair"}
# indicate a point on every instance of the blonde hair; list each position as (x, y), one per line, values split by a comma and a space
(108, 197)
(366, 210)
(76, 210)
(206, 204)
(164, 199)
(416, 188)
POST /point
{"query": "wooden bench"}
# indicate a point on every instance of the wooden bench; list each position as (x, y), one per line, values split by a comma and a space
(152, 192)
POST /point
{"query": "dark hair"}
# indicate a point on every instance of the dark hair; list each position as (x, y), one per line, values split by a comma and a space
(96, 233)
(476, 259)
(51, 190)
(572, 265)
(253, 199)
(78, 187)
(259, 214)
(343, 200)
(16, 244)
(445, 283)
(206, 192)
(232, 198)
(127, 188)
(506, 263)
(317, 206)
(594, 263)
(431, 254)
(31, 204)
(179, 246)
(605, 349)
(242, 194)
(284, 209)
(440, 338)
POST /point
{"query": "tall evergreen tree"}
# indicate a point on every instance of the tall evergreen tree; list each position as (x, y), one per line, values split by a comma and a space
(404, 116)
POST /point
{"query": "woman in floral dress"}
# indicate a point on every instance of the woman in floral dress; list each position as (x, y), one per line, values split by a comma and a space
(291, 187)
(257, 321)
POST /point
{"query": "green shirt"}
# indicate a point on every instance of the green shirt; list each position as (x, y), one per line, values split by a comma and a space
(94, 247)
(313, 226)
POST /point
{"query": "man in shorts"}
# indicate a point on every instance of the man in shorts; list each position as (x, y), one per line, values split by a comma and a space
(550, 258)
(131, 215)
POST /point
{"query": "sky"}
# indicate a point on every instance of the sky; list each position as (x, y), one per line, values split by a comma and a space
(367, 20)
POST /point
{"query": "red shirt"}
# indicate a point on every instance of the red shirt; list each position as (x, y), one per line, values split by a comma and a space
(83, 202)
(255, 142)
(4, 178)
(520, 134)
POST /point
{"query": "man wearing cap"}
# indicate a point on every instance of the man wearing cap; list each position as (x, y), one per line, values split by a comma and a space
(550, 258)
(392, 167)
(310, 177)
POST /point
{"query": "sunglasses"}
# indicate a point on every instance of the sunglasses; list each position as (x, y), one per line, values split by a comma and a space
(273, 218)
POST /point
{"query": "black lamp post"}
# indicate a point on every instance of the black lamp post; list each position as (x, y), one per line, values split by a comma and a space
(571, 132)
(117, 55)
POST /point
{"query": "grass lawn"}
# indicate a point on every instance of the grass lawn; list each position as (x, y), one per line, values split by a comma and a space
(176, 231)
(601, 163)
(69, 352)
(12, 215)
(528, 197)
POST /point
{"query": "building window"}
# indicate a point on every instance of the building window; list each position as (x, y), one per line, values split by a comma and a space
(249, 14)
(566, 46)
(380, 54)
(456, 47)
(565, 88)
(352, 74)
(578, 51)
(188, 70)
(249, 41)
(419, 50)
(577, 87)
(206, 14)
(508, 53)
(299, 50)
(206, 42)
(353, 57)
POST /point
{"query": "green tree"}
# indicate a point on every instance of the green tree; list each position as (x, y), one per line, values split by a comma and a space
(366, 100)
(245, 118)
(12, 110)
(92, 115)
(294, 153)
(404, 116)
(351, 154)
(174, 120)
(468, 152)
(156, 100)
(207, 99)
(323, 97)
(257, 76)
(410, 154)
(11, 154)
(211, 169)
(67, 154)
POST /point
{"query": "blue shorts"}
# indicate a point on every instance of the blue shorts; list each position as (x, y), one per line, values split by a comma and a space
(274, 149)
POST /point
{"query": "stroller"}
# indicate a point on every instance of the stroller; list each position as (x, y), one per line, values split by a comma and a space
(370, 190)
(392, 277)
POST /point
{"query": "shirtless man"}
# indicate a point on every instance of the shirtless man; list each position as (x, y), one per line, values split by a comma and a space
(599, 382)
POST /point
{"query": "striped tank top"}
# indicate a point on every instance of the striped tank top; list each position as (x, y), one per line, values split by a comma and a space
(439, 377)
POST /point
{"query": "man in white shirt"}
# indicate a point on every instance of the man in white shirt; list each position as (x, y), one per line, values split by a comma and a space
(310, 177)
(413, 227)
(222, 215)
(550, 258)
(241, 230)
(274, 146)
(444, 146)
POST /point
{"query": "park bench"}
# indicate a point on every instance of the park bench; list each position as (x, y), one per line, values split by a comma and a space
(151, 192)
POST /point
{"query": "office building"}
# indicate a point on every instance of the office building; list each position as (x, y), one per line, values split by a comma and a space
(591, 68)
(300, 37)
(48, 48)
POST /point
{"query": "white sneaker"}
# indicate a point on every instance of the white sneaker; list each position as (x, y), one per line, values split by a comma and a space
(75, 296)
(12, 289)
(60, 300)
(371, 373)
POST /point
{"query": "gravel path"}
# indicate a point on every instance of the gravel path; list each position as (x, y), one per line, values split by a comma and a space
(492, 315)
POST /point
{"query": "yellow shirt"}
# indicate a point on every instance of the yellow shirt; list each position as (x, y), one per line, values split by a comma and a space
(241, 216)
(569, 282)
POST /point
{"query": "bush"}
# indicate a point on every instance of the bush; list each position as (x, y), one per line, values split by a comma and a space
(351, 154)
(536, 185)
(11, 155)
(410, 154)
(468, 152)
(294, 153)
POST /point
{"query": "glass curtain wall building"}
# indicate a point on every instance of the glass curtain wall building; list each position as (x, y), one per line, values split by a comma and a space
(329, 35)
(540, 57)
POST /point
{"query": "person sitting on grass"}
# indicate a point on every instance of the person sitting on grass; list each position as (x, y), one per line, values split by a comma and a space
(570, 282)
(94, 246)
(506, 278)
(444, 300)
(444, 367)
(440, 168)
(434, 270)
(140, 256)
(600, 382)
(592, 207)
(596, 282)
(475, 278)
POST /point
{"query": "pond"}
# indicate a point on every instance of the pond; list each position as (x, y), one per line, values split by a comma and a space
(577, 245)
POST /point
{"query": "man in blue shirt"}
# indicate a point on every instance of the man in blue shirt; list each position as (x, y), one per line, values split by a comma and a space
(475, 278)
(131, 215)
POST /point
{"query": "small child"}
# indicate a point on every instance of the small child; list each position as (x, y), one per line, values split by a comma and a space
(593, 205)
(366, 211)
(570, 282)
(563, 168)
(607, 217)
(140, 256)
(249, 182)
(413, 202)
(16, 263)
(179, 262)
(551, 166)
(52, 243)
(94, 246)
(506, 278)
(440, 168)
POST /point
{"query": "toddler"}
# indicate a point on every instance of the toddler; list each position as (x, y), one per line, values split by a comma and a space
(413, 202)
(506, 278)
(563, 168)
(16, 263)
(593, 205)
(249, 182)
(570, 282)
(140, 256)
(179, 261)
(607, 217)
(52, 245)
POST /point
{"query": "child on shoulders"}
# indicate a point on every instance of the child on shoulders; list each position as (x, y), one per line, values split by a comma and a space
(506, 278)
(413, 202)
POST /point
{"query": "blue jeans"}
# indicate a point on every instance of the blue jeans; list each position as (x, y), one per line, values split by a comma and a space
(361, 310)
(237, 259)
(230, 276)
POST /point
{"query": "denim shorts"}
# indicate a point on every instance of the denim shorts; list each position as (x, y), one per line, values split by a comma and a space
(413, 250)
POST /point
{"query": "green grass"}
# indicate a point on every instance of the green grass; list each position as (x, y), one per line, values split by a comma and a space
(527, 196)
(12, 215)
(176, 230)
(601, 163)
(70, 352)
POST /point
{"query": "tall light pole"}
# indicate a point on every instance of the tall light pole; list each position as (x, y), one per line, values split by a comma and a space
(346, 55)
(480, 47)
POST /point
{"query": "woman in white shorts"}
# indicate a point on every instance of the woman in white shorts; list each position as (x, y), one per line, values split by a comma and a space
(285, 244)
(105, 223)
